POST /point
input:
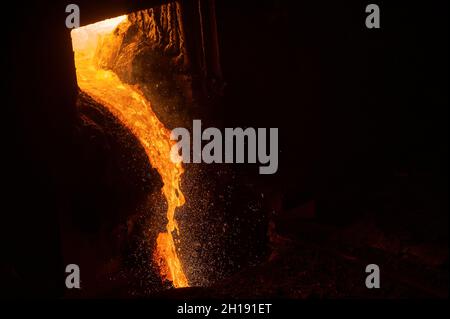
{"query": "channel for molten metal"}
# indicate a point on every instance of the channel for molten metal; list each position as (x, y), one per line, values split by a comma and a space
(130, 106)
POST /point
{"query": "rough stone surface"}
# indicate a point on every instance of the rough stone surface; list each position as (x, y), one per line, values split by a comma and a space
(148, 50)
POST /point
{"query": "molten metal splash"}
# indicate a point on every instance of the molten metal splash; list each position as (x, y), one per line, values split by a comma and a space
(130, 106)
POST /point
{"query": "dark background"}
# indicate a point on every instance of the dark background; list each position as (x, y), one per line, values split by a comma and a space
(360, 113)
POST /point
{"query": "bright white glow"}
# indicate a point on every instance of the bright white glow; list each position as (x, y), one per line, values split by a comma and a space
(84, 37)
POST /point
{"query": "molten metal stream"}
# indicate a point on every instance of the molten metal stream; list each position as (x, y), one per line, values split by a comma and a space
(129, 105)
